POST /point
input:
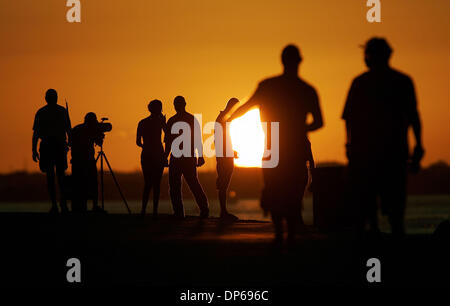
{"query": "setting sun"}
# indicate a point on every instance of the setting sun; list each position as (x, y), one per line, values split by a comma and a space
(247, 137)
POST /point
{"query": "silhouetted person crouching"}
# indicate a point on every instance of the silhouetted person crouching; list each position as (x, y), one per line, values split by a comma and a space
(84, 169)
(52, 127)
(286, 99)
(153, 159)
(380, 107)
(183, 140)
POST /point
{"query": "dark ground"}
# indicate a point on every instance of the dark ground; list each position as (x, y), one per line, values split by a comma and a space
(117, 250)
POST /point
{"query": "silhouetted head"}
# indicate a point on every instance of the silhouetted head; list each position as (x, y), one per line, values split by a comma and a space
(180, 104)
(155, 107)
(90, 119)
(51, 96)
(291, 58)
(377, 53)
(231, 103)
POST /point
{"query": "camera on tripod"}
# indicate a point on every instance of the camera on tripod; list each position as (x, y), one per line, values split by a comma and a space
(103, 126)
(100, 129)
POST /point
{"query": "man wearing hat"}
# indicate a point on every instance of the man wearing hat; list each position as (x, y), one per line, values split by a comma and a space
(380, 107)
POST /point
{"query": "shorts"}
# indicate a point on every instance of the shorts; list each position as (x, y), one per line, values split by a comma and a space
(51, 155)
(224, 167)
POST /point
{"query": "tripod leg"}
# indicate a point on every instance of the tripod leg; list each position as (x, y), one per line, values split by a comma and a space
(117, 183)
(101, 180)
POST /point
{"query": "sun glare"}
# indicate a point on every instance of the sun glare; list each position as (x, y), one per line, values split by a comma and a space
(247, 137)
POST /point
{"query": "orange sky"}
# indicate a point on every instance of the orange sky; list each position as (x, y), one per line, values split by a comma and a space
(125, 53)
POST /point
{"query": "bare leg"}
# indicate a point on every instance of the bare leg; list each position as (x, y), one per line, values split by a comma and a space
(175, 189)
(145, 196)
(62, 195)
(278, 226)
(156, 191)
(223, 202)
(190, 175)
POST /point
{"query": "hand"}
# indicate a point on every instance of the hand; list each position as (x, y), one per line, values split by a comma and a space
(236, 154)
(35, 156)
(418, 153)
(414, 164)
(200, 161)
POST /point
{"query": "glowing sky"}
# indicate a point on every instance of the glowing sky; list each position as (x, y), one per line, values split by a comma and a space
(125, 53)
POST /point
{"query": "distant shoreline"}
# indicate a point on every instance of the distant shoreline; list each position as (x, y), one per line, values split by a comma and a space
(246, 184)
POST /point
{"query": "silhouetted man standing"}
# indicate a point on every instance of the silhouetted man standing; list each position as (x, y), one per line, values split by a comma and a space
(183, 139)
(51, 126)
(380, 107)
(153, 160)
(286, 99)
(224, 159)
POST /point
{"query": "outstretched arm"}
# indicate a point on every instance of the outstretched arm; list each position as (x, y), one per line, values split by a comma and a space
(254, 101)
(243, 109)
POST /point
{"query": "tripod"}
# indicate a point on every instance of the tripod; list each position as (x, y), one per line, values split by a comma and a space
(102, 156)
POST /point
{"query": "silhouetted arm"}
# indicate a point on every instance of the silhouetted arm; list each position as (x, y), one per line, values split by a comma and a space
(139, 136)
(164, 129)
(417, 128)
(221, 117)
(34, 146)
(346, 115)
(164, 124)
(414, 117)
(414, 121)
(243, 109)
(348, 133)
(35, 138)
(251, 103)
(168, 139)
(198, 143)
(316, 113)
(68, 128)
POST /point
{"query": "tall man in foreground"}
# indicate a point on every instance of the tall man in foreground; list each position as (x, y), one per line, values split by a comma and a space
(52, 127)
(286, 99)
(380, 107)
(183, 139)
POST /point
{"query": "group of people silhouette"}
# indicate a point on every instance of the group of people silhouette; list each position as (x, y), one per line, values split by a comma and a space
(380, 107)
